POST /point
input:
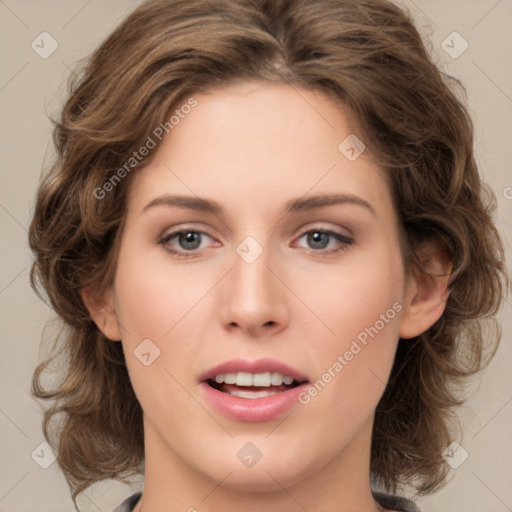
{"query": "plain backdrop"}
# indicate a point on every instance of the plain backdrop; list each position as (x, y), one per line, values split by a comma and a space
(32, 86)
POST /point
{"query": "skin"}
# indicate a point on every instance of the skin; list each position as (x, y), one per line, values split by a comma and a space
(251, 148)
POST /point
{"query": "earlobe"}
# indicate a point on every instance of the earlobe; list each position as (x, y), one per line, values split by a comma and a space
(426, 297)
(101, 307)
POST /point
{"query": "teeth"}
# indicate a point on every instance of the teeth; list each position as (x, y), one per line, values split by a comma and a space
(252, 394)
(243, 379)
(276, 379)
(228, 378)
(254, 379)
(261, 379)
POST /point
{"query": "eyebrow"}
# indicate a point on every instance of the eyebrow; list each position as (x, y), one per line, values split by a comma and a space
(294, 205)
(320, 201)
(189, 202)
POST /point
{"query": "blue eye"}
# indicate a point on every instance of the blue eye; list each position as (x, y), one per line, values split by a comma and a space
(187, 241)
(318, 240)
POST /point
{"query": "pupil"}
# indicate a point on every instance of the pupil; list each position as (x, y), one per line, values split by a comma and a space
(189, 240)
(318, 240)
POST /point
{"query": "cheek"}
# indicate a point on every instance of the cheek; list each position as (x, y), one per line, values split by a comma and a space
(153, 295)
(353, 295)
(156, 301)
(360, 307)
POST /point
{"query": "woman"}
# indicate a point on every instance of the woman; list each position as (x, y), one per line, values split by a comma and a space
(267, 238)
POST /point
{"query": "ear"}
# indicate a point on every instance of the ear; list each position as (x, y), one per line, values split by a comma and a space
(426, 295)
(101, 307)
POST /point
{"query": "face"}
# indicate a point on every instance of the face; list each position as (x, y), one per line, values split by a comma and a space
(259, 289)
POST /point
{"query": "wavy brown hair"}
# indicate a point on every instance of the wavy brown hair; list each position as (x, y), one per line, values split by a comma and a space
(366, 54)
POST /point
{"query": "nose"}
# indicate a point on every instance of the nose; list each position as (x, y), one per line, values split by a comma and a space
(253, 299)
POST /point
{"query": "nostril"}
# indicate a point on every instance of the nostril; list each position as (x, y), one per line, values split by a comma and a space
(270, 323)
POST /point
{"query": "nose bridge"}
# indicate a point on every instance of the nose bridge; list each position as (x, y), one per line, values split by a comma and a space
(252, 297)
(250, 274)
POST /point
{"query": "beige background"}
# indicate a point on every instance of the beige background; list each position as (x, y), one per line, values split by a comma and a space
(31, 86)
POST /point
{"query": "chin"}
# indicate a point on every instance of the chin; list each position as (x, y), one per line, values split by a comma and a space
(261, 480)
(275, 469)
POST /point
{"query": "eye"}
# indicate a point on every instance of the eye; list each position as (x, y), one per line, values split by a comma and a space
(185, 241)
(325, 241)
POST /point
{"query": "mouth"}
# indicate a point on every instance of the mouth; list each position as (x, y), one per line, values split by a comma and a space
(255, 391)
(253, 385)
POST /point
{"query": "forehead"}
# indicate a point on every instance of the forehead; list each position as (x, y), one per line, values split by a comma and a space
(254, 143)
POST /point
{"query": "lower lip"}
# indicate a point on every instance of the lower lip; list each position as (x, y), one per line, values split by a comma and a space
(253, 410)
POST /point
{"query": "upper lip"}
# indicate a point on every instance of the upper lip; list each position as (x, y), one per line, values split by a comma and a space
(258, 366)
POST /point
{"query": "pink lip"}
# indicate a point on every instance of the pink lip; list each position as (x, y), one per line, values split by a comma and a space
(258, 366)
(253, 409)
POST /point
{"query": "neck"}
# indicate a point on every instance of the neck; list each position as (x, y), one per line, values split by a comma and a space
(341, 483)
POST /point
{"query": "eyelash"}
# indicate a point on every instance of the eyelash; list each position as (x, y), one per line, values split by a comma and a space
(344, 241)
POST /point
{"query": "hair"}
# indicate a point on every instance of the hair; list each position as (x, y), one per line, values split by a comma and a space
(368, 55)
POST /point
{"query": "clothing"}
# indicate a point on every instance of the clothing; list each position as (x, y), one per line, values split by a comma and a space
(392, 502)
(129, 503)
(387, 501)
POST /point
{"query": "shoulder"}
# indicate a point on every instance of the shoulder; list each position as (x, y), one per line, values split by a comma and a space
(395, 503)
(129, 503)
